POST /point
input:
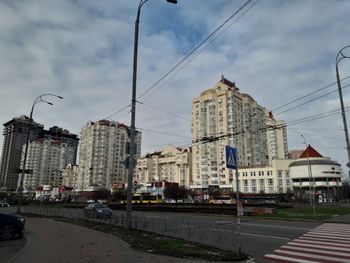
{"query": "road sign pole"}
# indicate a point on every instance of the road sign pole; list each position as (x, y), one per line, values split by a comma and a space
(238, 207)
(231, 163)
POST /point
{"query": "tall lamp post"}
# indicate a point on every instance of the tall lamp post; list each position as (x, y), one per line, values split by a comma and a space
(341, 56)
(132, 161)
(311, 180)
(37, 100)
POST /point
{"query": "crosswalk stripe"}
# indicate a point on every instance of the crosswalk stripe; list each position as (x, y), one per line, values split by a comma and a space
(331, 248)
(328, 252)
(288, 259)
(326, 243)
(301, 241)
(326, 239)
(326, 236)
(313, 256)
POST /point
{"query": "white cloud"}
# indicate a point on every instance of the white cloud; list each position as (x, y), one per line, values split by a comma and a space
(83, 50)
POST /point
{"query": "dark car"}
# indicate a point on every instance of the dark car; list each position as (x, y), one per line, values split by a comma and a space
(11, 226)
(4, 204)
(97, 210)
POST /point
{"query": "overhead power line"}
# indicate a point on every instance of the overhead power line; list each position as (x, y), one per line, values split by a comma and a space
(206, 139)
(307, 95)
(194, 50)
(165, 111)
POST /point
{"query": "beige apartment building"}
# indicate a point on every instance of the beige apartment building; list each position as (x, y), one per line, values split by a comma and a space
(172, 164)
(103, 148)
(70, 175)
(46, 159)
(223, 116)
(274, 178)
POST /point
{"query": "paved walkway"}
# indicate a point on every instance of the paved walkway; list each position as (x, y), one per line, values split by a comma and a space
(50, 241)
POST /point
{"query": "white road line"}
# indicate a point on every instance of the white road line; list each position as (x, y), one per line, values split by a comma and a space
(331, 231)
(336, 224)
(326, 239)
(289, 258)
(255, 235)
(332, 259)
(335, 253)
(304, 241)
(319, 246)
(289, 227)
(327, 236)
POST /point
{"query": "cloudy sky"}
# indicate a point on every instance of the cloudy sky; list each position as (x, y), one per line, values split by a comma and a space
(277, 51)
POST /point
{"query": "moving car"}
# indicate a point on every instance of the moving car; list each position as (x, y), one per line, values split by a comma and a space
(4, 204)
(97, 210)
(11, 226)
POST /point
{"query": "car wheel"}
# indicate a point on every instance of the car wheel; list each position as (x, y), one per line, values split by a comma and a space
(7, 232)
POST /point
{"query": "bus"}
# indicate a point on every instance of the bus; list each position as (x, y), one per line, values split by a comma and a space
(221, 199)
(145, 198)
(152, 199)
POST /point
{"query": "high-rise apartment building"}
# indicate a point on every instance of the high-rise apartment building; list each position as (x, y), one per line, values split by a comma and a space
(15, 135)
(103, 148)
(172, 164)
(46, 160)
(223, 116)
(63, 135)
(70, 176)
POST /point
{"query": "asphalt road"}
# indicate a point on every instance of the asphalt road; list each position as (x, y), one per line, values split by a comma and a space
(257, 236)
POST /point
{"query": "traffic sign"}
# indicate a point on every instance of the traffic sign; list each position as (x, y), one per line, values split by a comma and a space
(231, 157)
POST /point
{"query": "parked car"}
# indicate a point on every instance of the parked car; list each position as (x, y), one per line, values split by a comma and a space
(4, 204)
(11, 226)
(97, 210)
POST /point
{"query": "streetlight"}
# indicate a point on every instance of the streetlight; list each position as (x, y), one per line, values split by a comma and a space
(37, 100)
(132, 161)
(339, 57)
(311, 181)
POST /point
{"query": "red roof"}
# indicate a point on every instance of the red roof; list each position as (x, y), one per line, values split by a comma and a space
(311, 152)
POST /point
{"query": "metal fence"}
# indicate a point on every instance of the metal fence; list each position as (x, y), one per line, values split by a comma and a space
(220, 234)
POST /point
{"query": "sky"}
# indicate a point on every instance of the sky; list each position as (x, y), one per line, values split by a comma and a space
(82, 50)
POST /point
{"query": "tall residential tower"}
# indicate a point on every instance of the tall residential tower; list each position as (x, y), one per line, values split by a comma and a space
(223, 116)
(103, 148)
(15, 135)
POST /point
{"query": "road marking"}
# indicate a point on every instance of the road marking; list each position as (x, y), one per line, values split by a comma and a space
(313, 256)
(325, 239)
(328, 252)
(315, 246)
(288, 227)
(288, 259)
(327, 236)
(255, 235)
(305, 241)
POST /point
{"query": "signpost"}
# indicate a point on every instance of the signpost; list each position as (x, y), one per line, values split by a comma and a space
(231, 163)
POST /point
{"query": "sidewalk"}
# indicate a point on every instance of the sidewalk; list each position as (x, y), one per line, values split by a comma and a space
(51, 241)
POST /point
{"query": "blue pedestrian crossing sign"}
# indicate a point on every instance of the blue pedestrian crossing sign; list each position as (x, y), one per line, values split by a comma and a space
(230, 157)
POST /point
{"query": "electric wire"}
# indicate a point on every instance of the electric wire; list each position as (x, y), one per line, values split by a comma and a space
(194, 50)
(311, 100)
(200, 51)
(309, 94)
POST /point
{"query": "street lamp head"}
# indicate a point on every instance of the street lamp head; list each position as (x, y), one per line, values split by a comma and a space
(60, 97)
(172, 1)
(50, 103)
